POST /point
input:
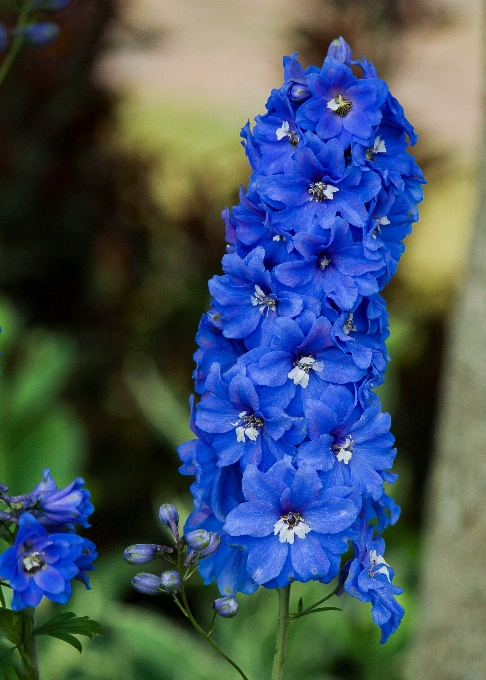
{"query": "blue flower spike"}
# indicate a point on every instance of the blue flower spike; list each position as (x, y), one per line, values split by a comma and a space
(291, 447)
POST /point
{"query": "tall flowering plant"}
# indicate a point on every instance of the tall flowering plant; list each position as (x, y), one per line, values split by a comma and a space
(292, 448)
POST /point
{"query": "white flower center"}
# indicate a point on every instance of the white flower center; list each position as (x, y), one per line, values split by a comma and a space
(348, 325)
(378, 147)
(375, 560)
(266, 303)
(250, 427)
(344, 452)
(289, 526)
(33, 563)
(340, 106)
(300, 372)
(285, 132)
(380, 222)
(320, 191)
(279, 237)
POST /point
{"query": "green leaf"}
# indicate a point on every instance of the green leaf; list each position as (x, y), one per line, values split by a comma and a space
(300, 606)
(9, 626)
(323, 609)
(65, 625)
(5, 661)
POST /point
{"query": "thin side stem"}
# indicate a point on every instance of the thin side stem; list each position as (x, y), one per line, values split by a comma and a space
(282, 630)
(29, 644)
(296, 617)
(17, 42)
(200, 630)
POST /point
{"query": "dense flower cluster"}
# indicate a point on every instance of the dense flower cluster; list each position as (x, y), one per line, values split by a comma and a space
(46, 553)
(292, 448)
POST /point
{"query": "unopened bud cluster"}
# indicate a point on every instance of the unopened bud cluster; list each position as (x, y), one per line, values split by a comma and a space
(188, 549)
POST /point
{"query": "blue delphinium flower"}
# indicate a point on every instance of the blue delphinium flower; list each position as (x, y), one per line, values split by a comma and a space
(40, 563)
(370, 579)
(288, 523)
(55, 507)
(292, 449)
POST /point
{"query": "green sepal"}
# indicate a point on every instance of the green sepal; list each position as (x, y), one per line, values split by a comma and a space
(65, 625)
(300, 606)
(11, 626)
(6, 661)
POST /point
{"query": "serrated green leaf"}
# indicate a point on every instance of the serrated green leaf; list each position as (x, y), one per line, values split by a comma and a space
(65, 625)
(8, 626)
(300, 606)
(6, 661)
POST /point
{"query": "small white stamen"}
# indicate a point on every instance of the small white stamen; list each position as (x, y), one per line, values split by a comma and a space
(378, 559)
(340, 106)
(278, 237)
(283, 131)
(348, 325)
(250, 428)
(33, 563)
(320, 190)
(344, 452)
(380, 221)
(379, 145)
(300, 372)
(267, 304)
(289, 526)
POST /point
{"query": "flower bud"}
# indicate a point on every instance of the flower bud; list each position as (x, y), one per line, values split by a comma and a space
(142, 553)
(148, 584)
(169, 516)
(340, 50)
(199, 539)
(214, 544)
(227, 607)
(41, 34)
(299, 93)
(171, 582)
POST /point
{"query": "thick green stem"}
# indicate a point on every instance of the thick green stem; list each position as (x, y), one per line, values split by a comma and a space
(282, 629)
(17, 42)
(29, 645)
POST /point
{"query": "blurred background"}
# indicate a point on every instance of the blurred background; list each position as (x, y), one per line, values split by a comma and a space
(120, 148)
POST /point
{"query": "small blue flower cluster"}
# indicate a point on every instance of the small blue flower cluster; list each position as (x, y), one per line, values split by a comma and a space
(36, 32)
(292, 448)
(46, 553)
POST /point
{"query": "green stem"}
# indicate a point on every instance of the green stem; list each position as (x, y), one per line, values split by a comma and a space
(282, 629)
(17, 42)
(200, 630)
(28, 649)
(296, 617)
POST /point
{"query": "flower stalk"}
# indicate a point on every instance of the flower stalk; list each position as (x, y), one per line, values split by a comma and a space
(28, 651)
(282, 630)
